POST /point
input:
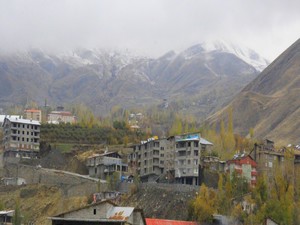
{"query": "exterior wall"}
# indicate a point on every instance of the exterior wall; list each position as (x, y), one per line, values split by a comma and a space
(244, 166)
(33, 114)
(168, 159)
(61, 117)
(71, 185)
(187, 160)
(92, 212)
(14, 181)
(267, 160)
(270, 222)
(169, 162)
(148, 159)
(138, 219)
(102, 166)
(21, 135)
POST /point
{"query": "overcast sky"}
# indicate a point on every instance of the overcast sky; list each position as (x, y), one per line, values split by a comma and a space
(150, 27)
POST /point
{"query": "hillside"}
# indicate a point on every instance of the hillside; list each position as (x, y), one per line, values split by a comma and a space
(204, 78)
(270, 103)
(38, 202)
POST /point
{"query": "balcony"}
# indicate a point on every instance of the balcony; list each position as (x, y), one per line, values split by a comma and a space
(253, 173)
(155, 156)
(156, 163)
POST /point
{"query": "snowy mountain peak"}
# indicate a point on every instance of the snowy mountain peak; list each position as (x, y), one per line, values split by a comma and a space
(246, 54)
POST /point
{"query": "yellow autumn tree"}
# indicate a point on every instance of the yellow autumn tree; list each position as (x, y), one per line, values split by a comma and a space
(204, 205)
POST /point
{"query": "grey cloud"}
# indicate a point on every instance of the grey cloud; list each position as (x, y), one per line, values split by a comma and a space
(150, 27)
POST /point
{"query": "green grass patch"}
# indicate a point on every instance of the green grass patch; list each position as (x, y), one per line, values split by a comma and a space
(63, 147)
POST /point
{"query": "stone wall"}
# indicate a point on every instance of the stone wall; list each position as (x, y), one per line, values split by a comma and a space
(72, 185)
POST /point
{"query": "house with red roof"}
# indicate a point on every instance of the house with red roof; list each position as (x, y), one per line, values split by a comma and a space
(244, 166)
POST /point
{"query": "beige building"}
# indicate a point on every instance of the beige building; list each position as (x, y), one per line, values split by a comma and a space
(33, 114)
(21, 137)
(57, 117)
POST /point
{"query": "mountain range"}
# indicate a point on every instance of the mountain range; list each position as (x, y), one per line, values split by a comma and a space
(270, 104)
(203, 78)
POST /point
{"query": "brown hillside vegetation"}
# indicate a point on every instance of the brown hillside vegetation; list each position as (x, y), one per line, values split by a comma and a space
(38, 202)
(271, 103)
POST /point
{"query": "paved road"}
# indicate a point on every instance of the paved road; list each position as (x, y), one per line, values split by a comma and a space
(73, 174)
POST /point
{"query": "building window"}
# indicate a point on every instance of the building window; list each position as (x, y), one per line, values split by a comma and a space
(95, 211)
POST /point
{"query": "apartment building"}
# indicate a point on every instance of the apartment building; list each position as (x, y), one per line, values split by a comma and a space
(104, 165)
(268, 158)
(21, 137)
(188, 151)
(172, 159)
(148, 159)
(33, 114)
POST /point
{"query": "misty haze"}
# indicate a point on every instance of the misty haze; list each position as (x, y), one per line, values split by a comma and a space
(149, 112)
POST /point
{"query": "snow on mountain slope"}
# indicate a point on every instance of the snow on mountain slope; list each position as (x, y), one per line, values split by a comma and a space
(244, 53)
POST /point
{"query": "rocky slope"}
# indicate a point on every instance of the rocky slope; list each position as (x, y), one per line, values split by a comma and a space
(203, 77)
(270, 104)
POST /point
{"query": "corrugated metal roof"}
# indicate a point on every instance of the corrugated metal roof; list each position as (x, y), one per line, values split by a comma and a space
(150, 221)
(119, 213)
(84, 220)
(7, 212)
(205, 142)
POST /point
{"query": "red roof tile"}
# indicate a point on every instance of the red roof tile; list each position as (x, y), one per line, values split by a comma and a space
(150, 221)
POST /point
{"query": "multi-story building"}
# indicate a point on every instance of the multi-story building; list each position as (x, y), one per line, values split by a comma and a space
(148, 159)
(268, 158)
(244, 166)
(104, 165)
(176, 158)
(188, 151)
(21, 137)
(33, 114)
(2, 117)
(57, 117)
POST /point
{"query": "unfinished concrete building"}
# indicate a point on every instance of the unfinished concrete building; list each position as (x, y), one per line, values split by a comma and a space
(104, 165)
(173, 159)
(21, 137)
